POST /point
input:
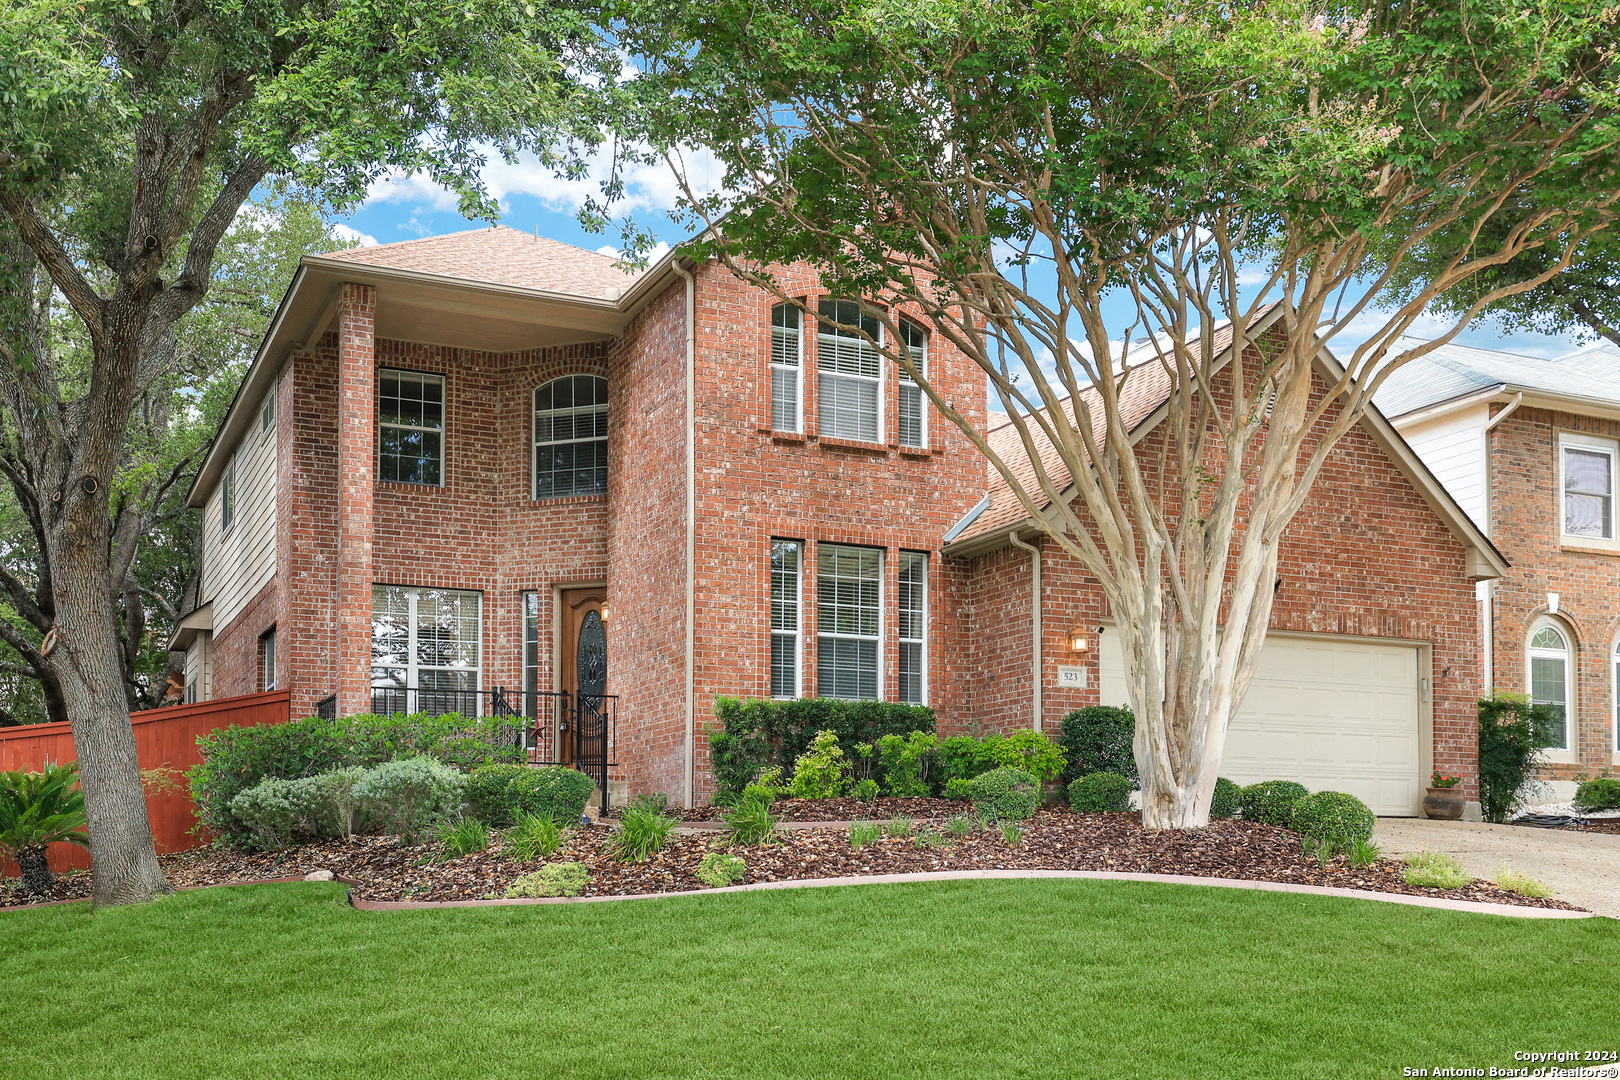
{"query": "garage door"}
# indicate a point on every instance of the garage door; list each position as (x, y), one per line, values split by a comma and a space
(1331, 714)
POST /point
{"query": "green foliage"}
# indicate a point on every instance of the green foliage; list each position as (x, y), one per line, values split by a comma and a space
(1362, 853)
(500, 793)
(756, 733)
(1098, 738)
(1228, 799)
(958, 788)
(1515, 881)
(751, 822)
(865, 790)
(961, 826)
(324, 806)
(1323, 851)
(905, 763)
(237, 758)
(1027, 750)
(961, 758)
(532, 837)
(553, 879)
(1006, 795)
(409, 796)
(897, 827)
(862, 833)
(1011, 833)
(1512, 733)
(462, 836)
(819, 772)
(1336, 816)
(1271, 802)
(931, 838)
(642, 831)
(38, 809)
(266, 810)
(1600, 794)
(718, 869)
(1100, 793)
(1433, 870)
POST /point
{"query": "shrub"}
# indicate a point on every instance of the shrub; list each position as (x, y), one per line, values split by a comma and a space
(905, 763)
(534, 836)
(898, 827)
(1271, 802)
(960, 826)
(642, 831)
(38, 809)
(1362, 853)
(1100, 793)
(1601, 794)
(958, 788)
(463, 836)
(752, 823)
(755, 733)
(718, 869)
(326, 803)
(929, 838)
(500, 793)
(866, 790)
(1227, 800)
(553, 879)
(1011, 833)
(862, 833)
(266, 811)
(1333, 815)
(1523, 884)
(409, 796)
(1097, 739)
(819, 772)
(238, 758)
(1433, 870)
(1006, 795)
(961, 758)
(1512, 732)
(1025, 749)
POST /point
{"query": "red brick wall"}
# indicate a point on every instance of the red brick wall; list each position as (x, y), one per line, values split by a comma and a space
(356, 478)
(1525, 522)
(236, 659)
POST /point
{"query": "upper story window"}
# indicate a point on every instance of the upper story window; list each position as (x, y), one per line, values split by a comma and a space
(1588, 467)
(913, 415)
(410, 427)
(849, 617)
(850, 368)
(227, 495)
(570, 437)
(787, 369)
(267, 413)
(1549, 677)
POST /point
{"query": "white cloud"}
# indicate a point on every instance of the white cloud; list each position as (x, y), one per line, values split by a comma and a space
(658, 251)
(353, 237)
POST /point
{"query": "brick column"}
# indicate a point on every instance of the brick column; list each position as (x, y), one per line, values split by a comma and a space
(357, 471)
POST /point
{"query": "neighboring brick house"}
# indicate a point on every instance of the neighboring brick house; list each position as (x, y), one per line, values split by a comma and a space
(1530, 448)
(491, 461)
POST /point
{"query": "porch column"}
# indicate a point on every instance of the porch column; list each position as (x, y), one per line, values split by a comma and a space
(357, 471)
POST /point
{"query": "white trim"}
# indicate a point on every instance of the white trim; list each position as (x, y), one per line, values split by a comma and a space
(227, 497)
(1566, 656)
(1614, 701)
(904, 381)
(267, 413)
(573, 410)
(797, 633)
(797, 426)
(413, 667)
(920, 642)
(831, 340)
(877, 639)
(1599, 447)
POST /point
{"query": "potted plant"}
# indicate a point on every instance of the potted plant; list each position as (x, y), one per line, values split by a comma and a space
(1445, 799)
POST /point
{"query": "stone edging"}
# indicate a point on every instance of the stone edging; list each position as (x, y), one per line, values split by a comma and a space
(1511, 910)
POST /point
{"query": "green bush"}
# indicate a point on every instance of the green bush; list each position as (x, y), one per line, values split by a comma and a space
(238, 758)
(1027, 750)
(1271, 802)
(958, 788)
(463, 836)
(533, 836)
(755, 733)
(1228, 798)
(266, 811)
(1006, 795)
(1434, 870)
(275, 812)
(1362, 853)
(38, 809)
(1600, 794)
(1515, 881)
(718, 869)
(410, 796)
(751, 822)
(1512, 733)
(1334, 816)
(905, 763)
(866, 790)
(1099, 738)
(642, 831)
(1100, 793)
(862, 833)
(819, 772)
(553, 879)
(961, 758)
(499, 794)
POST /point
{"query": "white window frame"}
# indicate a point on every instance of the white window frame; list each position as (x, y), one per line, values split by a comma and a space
(828, 341)
(413, 667)
(535, 443)
(267, 414)
(1614, 700)
(531, 642)
(443, 430)
(793, 636)
(1609, 449)
(920, 641)
(1566, 655)
(796, 367)
(919, 356)
(227, 496)
(823, 635)
(267, 657)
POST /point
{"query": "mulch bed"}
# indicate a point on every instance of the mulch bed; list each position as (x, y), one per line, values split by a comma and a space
(1602, 825)
(1054, 840)
(848, 809)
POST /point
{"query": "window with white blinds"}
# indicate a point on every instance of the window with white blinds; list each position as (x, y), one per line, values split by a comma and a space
(786, 559)
(913, 422)
(787, 369)
(913, 630)
(849, 607)
(849, 369)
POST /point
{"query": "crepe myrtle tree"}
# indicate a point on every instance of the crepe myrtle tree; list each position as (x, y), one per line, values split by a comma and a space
(131, 133)
(1018, 174)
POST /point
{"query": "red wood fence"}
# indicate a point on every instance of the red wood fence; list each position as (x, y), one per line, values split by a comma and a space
(163, 737)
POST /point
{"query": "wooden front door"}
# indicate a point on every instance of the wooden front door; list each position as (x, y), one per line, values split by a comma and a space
(582, 661)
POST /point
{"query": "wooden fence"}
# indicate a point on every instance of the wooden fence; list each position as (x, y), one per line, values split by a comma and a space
(163, 737)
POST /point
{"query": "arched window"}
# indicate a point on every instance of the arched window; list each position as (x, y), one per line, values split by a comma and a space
(570, 437)
(1549, 676)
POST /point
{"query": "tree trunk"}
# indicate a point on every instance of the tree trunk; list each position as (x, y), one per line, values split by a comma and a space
(36, 870)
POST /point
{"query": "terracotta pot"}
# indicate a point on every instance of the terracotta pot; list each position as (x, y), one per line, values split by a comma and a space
(1445, 803)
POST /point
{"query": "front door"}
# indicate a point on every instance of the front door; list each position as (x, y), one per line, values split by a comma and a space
(582, 671)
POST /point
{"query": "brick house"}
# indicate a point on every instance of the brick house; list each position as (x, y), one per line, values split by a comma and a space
(1530, 448)
(491, 462)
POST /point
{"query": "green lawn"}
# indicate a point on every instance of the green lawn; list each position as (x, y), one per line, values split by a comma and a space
(1044, 979)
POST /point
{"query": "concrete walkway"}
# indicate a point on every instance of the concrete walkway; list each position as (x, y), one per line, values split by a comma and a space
(1580, 868)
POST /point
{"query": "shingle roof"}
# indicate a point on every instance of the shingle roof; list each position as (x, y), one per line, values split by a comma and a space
(1453, 371)
(502, 256)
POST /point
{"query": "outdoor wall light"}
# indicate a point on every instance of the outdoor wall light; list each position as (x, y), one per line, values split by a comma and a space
(1077, 639)
(603, 613)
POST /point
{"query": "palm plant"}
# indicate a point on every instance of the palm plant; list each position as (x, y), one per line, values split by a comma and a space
(37, 809)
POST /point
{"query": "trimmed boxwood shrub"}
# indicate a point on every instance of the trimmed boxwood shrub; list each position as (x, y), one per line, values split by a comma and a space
(1600, 794)
(1227, 800)
(500, 794)
(1335, 816)
(1100, 793)
(1098, 739)
(1271, 802)
(1006, 795)
(755, 733)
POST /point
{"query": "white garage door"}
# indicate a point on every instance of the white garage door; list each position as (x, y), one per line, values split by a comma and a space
(1334, 715)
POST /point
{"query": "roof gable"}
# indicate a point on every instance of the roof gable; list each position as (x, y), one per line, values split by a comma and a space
(502, 256)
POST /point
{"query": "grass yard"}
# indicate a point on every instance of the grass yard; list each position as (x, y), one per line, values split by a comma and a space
(961, 979)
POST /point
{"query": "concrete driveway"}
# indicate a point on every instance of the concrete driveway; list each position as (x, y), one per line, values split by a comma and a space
(1581, 868)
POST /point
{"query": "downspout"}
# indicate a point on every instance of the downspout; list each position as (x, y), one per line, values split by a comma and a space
(1490, 512)
(1035, 619)
(691, 530)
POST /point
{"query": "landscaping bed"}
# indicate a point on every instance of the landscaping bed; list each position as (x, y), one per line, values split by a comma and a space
(1055, 839)
(845, 809)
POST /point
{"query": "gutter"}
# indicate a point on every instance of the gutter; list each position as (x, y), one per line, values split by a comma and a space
(691, 529)
(1518, 399)
(1035, 620)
